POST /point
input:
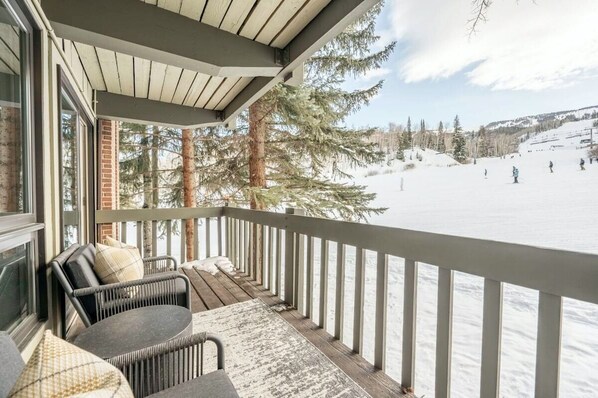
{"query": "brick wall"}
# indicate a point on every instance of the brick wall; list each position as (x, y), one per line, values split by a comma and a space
(108, 174)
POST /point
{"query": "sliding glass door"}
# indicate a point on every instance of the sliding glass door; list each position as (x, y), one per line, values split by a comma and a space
(74, 143)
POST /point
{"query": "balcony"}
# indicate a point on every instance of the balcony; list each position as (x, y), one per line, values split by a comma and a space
(278, 259)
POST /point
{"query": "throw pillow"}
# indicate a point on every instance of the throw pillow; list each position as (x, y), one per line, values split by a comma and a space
(110, 241)
(60, 369)
(116, 264)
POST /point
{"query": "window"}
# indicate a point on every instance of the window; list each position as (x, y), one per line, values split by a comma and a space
(13, 108)
(14, 285)
(19, 227)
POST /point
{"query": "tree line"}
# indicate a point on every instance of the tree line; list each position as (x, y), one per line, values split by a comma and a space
(398, 139)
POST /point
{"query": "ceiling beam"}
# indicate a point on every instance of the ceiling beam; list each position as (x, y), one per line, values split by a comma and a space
(145, 111)
(331, 21)
(146, 31)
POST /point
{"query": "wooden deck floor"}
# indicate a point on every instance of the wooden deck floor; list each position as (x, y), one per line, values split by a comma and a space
(214, 291)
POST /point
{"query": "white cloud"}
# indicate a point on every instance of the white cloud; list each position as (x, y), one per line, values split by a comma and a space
(375, 74)
(524, 45)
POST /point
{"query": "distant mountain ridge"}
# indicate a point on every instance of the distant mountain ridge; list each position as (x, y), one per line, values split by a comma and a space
(523, 122)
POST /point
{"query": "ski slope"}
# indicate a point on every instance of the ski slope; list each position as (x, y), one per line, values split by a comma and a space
(573, 135)
(558, 210)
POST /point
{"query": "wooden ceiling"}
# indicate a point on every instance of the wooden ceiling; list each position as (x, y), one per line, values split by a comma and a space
(233, 55)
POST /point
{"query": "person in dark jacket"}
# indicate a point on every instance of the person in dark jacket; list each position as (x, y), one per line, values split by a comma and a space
(582, 163)
(515, 175)
(550, 165)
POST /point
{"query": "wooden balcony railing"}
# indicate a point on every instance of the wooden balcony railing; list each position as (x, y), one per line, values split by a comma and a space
(287, 265)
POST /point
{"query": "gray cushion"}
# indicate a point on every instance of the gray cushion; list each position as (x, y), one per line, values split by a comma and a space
(79, 271)
(11, 364)
(79, 268)
(211, 385)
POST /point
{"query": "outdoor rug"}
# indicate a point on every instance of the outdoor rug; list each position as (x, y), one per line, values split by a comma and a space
(266, 357)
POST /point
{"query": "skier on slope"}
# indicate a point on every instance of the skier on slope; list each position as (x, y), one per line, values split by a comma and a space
(515, 175)
(485, 173)
(582, 163)
(550, 165)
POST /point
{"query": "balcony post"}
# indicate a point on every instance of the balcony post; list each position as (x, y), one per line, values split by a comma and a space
(290, 261)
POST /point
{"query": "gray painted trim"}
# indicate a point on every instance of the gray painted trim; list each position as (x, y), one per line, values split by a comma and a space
(444, 332)
(145, 111)
(110, 216)
(491, 339)
(142, 30)
(331, 21)
(548, 348)
(559, 272)
(409, 324)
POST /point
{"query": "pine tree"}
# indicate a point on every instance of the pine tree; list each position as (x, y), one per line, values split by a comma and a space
(459, 153)
(305, 147)
(408, 135)
(440, 146)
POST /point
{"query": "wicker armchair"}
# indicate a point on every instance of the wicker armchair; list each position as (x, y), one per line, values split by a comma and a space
(94, 301)
(176, 369)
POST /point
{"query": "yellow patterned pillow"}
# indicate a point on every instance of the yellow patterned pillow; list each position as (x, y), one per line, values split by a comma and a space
(60, 369)
(116, 264)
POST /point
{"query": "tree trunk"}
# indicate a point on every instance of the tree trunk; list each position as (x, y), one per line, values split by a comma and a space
(10, 160)
(147, 192)
(258, 124)
(189, 188)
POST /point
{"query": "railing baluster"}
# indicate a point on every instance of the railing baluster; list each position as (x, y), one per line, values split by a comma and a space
(227, 238)
(548, 348)
(339, 312)
(309, 283)
(169, 237)
(246, 251)
(271, 268)
(219, 232)
(154, 238)
(381, 300)
(242, 244)
(208, 238)
(444, 328)
(196, 239)
(250, 250)
(261, 258)
(183, 239)
(359, 300)
(289, 271)
(491, 339)
(300, 272)
(123, 231)
(236, 243)
(140, 236)
(278, 262)
(409, 322)
(323, 284)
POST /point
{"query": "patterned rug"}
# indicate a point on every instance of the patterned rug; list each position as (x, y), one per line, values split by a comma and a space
(267, 357)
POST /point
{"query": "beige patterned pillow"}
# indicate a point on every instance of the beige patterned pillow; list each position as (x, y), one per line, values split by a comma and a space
(116, 264)
(110, 241)
(60, 369)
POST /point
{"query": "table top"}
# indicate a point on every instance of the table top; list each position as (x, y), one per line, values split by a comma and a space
(135, 329)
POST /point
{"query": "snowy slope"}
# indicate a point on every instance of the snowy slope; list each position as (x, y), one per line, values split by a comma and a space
(550, 210)
(570, 135)
(530, 121)
(429, 158)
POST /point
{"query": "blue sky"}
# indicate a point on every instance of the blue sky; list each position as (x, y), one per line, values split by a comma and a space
(526, 59)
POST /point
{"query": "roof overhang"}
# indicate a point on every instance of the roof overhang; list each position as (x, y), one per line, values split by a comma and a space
(209, 74)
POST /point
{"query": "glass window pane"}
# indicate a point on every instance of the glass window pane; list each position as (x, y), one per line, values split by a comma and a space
(12, 43)
(14, 286)
(70, 173)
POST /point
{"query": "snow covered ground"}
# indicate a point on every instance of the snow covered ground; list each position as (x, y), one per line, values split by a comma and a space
(551, 210)
(557, 210)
